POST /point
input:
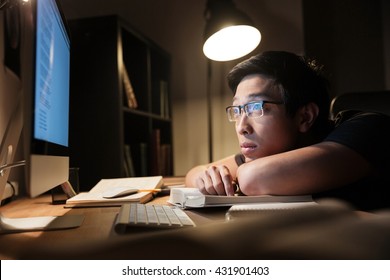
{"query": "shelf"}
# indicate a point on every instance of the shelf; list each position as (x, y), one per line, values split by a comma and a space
(146, 114)
(120, 102)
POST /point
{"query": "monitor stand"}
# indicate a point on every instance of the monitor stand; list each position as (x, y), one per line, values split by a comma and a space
(10, 225)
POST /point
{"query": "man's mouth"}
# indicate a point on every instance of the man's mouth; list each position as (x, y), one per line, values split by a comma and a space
(247, 147)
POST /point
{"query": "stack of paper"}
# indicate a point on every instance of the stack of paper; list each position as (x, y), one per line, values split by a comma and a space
(193, 198)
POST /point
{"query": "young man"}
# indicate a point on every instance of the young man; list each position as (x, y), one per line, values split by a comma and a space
(289, 147)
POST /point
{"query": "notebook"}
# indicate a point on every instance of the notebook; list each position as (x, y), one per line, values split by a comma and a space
(247, 210)
(95, 196)
(193, 198)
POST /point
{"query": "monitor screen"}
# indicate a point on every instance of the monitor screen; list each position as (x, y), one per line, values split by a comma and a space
(46, 96)
(51, 106)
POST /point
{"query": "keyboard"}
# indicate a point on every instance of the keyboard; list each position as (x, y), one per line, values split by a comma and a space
(136, 216)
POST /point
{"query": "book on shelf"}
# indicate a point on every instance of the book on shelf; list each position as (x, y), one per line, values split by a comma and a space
(143, 150)
(95, 197)
(126, 169)
(193, 198)
(166, 159)
(128, 89)
(129, 165)
(160, 155)
(155, 152)
(164, 99)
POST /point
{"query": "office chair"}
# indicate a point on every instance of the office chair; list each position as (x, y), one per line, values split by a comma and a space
(374, 101)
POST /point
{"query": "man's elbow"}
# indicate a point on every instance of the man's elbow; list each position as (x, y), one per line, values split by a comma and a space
(250, 181)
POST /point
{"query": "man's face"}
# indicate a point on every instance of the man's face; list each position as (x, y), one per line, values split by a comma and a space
(275, 131)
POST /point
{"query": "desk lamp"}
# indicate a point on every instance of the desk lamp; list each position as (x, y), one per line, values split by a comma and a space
(229, 34)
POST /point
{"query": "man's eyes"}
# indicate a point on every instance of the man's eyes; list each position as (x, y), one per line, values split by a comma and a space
(255, 107)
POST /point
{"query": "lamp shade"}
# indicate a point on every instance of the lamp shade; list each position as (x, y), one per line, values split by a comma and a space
(229, 33)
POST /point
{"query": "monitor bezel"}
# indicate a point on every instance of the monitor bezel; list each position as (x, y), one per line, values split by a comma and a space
(47, 164)
(38, 146)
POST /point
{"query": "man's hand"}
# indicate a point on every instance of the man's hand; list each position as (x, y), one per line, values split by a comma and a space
(215, 180)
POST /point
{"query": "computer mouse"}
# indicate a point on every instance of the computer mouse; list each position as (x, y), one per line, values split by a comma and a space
(119, 191)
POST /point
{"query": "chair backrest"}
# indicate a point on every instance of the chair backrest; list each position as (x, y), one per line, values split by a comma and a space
(374, 101)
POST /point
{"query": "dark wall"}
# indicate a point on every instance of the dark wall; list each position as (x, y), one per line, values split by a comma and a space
(347, 37)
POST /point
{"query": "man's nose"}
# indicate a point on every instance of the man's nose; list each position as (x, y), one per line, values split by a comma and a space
(243, 124)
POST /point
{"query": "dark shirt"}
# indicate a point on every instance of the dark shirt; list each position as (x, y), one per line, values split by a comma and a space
(369, 135)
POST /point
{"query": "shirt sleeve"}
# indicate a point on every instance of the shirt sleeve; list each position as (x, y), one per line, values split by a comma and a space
(239, 159)
(366, 133)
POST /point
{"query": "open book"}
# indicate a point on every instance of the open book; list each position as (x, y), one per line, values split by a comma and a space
(95, 197)
(193, 198)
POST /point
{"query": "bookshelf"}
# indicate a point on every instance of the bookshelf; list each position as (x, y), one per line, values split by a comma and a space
(107, 127)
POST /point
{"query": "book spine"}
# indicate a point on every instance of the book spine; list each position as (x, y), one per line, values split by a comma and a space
(164, 102)
(143, 147)
(128, 89)
(166, 160)
(129, 161)
(155, 152)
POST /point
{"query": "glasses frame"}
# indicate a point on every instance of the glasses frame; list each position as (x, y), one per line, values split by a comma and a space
(245, 109)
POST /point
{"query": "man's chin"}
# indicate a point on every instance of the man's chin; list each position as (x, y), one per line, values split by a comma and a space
(249, 159)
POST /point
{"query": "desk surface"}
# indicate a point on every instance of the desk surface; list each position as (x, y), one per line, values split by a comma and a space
(325, 232)
(97, 225)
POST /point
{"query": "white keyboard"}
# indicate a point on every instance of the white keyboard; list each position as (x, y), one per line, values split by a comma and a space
(134, 216)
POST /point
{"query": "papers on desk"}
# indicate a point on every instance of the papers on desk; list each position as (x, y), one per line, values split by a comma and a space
(193, 198)
(252, 209)
(95, 196)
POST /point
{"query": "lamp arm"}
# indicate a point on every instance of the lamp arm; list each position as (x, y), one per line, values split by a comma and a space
(11, 165)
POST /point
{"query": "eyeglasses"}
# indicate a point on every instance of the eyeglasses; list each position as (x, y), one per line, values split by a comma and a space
(252, 110)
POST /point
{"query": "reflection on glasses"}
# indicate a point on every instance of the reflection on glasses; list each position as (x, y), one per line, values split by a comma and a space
(252, 110)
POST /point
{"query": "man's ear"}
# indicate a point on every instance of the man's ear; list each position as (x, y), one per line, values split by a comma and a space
(307, 115)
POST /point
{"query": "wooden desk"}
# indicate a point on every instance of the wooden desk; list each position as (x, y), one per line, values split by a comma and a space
(326, 232)
(97, 226)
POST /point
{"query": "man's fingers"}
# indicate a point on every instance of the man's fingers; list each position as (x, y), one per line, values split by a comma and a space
(216, 180)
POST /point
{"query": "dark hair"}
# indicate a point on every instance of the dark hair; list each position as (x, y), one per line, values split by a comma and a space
(301, 81)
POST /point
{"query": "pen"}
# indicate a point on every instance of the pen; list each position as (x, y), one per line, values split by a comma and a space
(149, 190)
(157, 192)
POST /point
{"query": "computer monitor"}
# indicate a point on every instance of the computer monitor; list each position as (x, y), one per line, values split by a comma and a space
(46, 96)
(45, 74)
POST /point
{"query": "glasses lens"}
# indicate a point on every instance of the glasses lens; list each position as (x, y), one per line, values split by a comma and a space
(233, 113)
(254, 110)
